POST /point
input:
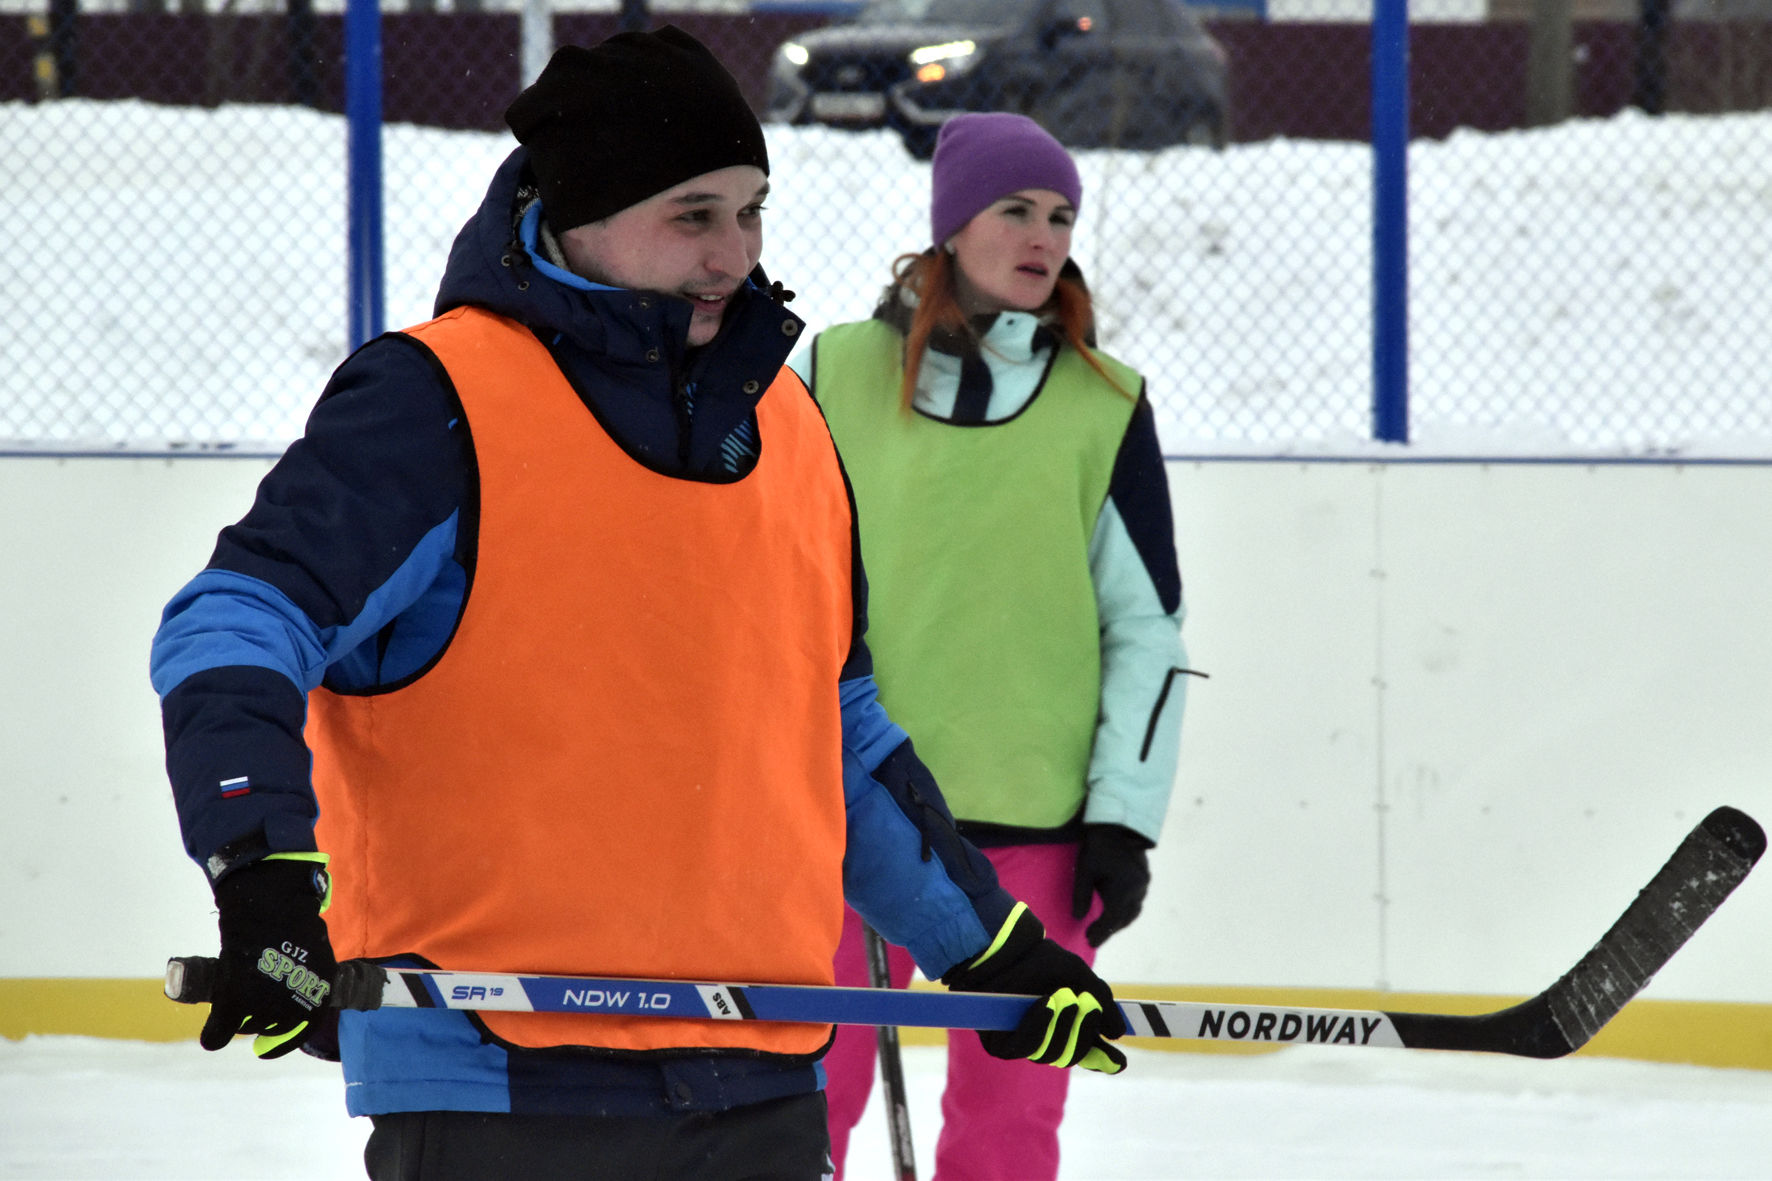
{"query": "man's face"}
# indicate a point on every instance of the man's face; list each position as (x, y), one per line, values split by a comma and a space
(696, 241)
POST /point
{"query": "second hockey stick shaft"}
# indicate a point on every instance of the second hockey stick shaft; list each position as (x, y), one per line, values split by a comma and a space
(898, 1110)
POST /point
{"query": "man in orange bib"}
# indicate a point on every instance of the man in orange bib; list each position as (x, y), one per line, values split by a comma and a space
(543, 651)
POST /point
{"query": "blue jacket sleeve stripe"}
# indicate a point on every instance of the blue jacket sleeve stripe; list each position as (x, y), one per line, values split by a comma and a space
(867, 730)
(222, 619)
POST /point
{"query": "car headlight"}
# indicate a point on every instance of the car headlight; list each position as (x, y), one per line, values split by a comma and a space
(932, 63)
(795, 54)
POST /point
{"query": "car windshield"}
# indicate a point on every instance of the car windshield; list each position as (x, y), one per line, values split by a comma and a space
(943, 12)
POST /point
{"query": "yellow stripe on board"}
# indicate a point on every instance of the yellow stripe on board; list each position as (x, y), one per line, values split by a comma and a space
(1703, 1033)
(95, 1007)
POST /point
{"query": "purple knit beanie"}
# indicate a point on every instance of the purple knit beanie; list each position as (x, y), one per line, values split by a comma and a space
(981, 158)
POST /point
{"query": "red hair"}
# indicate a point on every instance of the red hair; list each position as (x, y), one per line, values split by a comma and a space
(930, 277)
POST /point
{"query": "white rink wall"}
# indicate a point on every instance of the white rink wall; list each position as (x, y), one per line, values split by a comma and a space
(1457, 715)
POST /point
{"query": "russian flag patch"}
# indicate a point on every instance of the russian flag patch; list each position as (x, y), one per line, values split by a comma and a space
(237, 786)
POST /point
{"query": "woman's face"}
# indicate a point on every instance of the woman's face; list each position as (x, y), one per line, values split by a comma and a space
(1009, 255)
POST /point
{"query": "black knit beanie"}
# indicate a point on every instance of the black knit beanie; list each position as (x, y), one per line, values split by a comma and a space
(609, 126)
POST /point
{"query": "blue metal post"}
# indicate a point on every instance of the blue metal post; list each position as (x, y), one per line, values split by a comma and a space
(367, 303)
(1390, 221)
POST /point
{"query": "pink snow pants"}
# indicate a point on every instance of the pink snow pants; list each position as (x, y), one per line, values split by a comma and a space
(999, 1119)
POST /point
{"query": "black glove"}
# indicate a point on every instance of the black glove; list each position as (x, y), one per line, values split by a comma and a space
(276, 967)
(1078, 1013)
(1111, 863)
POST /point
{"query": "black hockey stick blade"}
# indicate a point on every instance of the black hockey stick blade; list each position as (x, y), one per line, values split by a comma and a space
(1713, 859)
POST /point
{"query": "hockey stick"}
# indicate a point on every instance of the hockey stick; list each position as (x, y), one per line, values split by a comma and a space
(1708, 865)
(898, 1111)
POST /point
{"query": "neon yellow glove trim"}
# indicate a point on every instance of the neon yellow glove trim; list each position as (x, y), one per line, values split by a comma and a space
(1098, 1061)
(1077, 1005)
(321, 859)
(1084, 1004)
(1056, 1004)
(264, 1043)
(1002, 935)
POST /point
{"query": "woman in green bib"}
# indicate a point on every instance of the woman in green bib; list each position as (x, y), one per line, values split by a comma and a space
(1025, 604)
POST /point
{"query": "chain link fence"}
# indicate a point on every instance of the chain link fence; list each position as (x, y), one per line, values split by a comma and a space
(1589, 182)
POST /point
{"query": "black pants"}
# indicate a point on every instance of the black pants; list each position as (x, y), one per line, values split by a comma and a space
(782, 1140)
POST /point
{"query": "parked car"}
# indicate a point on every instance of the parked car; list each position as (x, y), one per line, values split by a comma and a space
(1095, 73)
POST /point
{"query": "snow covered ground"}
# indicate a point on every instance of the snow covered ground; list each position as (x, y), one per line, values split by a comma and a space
(81, 1108)
(1596, 287)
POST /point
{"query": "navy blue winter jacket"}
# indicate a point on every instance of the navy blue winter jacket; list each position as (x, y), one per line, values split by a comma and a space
(350, 571)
